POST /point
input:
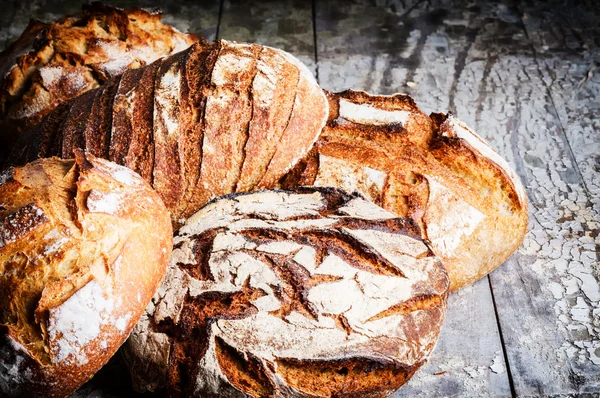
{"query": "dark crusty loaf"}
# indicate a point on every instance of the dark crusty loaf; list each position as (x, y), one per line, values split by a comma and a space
(468, 202)
(305, 293)
(83, 246)
(52, 63)
(208, 121)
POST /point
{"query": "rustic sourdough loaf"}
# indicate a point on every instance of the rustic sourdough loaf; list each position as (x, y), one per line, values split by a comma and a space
(51, 63)
(83, 247)
(306, 293)
(468, 202)
(208, 121)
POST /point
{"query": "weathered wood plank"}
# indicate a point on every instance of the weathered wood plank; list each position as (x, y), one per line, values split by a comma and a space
(286, 25)
(549, 321)
(414, 47)
(6, 18)
(566, 40)
(46, 10)
(556, 275)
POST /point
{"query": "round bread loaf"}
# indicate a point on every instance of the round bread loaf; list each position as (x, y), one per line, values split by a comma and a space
(307, 293)
(468, 202)
(83, 247)
(54, 62)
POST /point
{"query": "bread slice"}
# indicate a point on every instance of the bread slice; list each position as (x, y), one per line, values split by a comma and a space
(140, 116)
(227, 117)
(274, 91)
(121, 128)
(195, 81)
(99, 127)
(83, 247)
(303, 128)
(467, 200)
(306, 293)
(167, 176)
(73, 129)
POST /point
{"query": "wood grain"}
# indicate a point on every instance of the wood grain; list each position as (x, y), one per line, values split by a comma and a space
(553, 281)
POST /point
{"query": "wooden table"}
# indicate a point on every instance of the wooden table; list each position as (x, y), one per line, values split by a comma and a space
(524, 75)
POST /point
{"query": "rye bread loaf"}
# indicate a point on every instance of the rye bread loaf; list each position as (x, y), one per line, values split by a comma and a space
(208, 121)
(54, 62)
(467, 200)
(83, 246)
(304, 293)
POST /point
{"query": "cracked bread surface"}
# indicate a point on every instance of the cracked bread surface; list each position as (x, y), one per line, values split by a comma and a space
(54, 62)
(465, 197)
(84, 244)
(211, 120)
(310, 292)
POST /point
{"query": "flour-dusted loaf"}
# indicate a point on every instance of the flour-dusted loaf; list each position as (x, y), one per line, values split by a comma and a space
(83, 246)
(54, 62)
(467, 200)
(304, 293)
(208, 121)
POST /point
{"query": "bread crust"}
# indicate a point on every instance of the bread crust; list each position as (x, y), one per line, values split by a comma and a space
(52, 63)
(274, 90)
(201, 123)
(73, 130)
(227, 117)
(84, 244)
(140, 116)
(305, 293)
(167, 176)
(467, 200)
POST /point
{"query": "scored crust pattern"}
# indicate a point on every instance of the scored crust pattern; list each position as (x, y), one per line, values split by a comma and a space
(208, 121)
(310, 292)
(83, 247)
(467, 200)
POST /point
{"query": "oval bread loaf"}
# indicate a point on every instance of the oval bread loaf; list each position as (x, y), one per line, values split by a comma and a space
(467, 200)
(53, 62)
(304, 293)
(208, 121)
(83, 247)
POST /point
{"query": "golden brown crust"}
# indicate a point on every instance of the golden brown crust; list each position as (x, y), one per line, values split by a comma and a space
(463, 195)
(274, 90)
(99, 127)
(227, 116)
(195, 78)
(83, 247)
(73, 129)
(198, 124)
(140, 115)
(167, 177)
(52, 63)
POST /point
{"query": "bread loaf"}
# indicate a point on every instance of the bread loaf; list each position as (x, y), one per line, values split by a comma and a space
(54, 62)
(83, 247)
(303, 293)
(467, 200)
(208, 121)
